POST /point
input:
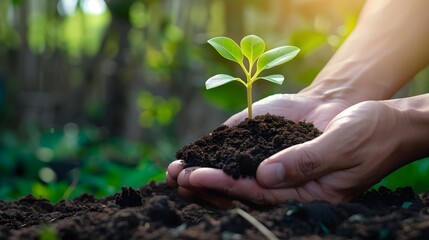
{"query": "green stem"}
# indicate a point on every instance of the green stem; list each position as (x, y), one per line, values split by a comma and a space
(249, 88)
(249, 100)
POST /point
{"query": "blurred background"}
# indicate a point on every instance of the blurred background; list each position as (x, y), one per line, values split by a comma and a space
(96, 95)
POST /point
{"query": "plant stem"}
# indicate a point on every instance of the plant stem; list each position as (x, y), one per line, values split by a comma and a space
(249, 100)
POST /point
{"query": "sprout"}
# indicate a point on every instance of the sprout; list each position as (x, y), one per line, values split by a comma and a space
(252, 48)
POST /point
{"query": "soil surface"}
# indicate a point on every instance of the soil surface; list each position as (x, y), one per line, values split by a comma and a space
(239, 150)
(156, 212)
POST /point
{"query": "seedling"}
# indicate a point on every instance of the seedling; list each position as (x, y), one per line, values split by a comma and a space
(252, 49)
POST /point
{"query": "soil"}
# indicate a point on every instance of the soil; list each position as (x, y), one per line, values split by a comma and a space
(155, 211)
(239, 150)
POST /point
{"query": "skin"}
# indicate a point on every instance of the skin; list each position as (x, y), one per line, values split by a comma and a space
(365, 136)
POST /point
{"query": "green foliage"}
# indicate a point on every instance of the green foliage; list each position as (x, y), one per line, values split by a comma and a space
(409, 175)
(227, 48)
(156, 109)
(143, 57)
(252, 47)
(92, 165)
(276, 57)
(48, 233)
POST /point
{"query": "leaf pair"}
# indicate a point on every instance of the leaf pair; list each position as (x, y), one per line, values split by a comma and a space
(252, 47)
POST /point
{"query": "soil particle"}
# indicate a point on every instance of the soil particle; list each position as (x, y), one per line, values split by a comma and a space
(162, 212)
(239, 150)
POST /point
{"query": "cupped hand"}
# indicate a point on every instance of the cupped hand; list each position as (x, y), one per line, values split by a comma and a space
(360, 146)
(295, 107)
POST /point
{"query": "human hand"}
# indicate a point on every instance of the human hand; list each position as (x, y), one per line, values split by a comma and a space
(344, 161)
(295, 107)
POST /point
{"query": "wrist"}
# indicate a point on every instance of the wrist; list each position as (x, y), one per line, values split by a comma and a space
(413, 127)
(351, 83)
(329, 90)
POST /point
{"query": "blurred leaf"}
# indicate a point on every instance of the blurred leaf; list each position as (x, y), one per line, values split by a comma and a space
(40, 190)
(227, 48)
(53, 191)
(138, 15)
(231, 97)
(308, 41)
(307, 75)
(145, 172)
(48, 233)
(409, 175)
(16, 2)
(5, 191)
(276, 57)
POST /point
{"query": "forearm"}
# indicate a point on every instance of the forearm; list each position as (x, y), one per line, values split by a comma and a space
(386, 49)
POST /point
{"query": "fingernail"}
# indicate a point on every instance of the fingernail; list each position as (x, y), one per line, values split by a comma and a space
(273, 174)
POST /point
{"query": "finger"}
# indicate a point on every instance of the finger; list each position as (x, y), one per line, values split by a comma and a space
(244, 188)
(170, 181)
(186, 193)
(196, 193)
(183, 177)
(175, 168)
(291, 167)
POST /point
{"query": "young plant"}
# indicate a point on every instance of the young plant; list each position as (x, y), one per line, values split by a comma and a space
(251, 48)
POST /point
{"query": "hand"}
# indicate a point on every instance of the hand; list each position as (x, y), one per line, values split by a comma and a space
(295, 107)
(358, 148)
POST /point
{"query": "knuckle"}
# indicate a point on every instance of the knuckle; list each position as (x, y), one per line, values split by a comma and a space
(258, 197)
(262, 197)
(226, 190)
(308, 164)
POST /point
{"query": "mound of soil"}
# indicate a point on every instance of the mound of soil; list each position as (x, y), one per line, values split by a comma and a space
(156, 212)
(239, 150)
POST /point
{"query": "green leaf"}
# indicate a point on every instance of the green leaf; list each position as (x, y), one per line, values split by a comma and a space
(276, 57)
(218, 80)
(227, 48)
(252, 47)
(276, 78)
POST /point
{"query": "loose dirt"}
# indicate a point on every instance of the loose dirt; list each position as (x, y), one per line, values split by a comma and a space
(239, 150)
(155, 211)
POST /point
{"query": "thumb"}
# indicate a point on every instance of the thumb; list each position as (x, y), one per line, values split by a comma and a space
(299, 164)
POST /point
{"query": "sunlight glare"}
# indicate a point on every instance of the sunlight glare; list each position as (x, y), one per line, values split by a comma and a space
(66, 7)
(93, 7)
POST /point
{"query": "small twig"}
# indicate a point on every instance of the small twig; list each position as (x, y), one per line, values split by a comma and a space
(265, 231)
(73, 184)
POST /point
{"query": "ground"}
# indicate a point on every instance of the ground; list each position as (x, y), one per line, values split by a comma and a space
(155, 211)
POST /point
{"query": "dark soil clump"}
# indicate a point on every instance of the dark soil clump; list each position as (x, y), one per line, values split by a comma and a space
(382, 214)
(239, 150)
(129, 197)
